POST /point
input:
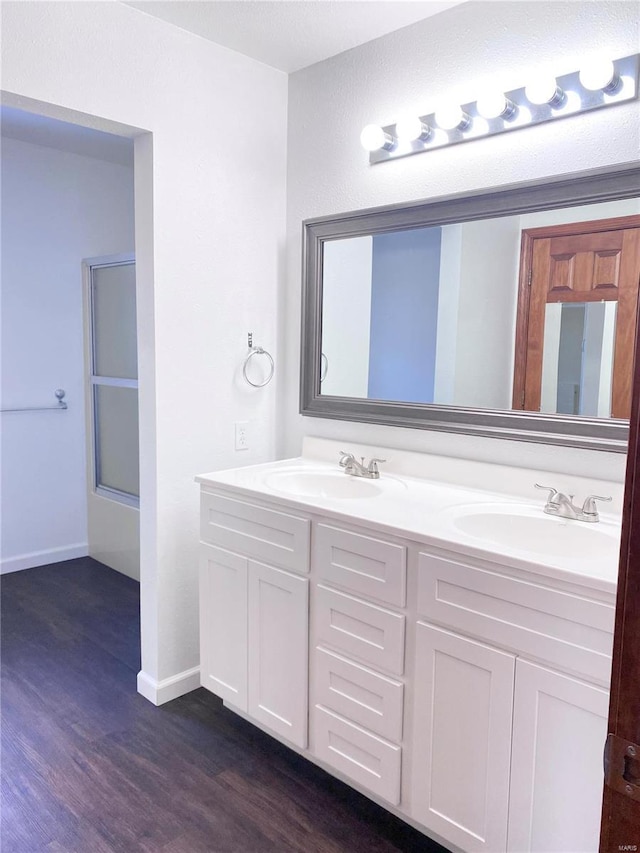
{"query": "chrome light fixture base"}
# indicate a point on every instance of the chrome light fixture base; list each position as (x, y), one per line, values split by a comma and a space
(577, 99)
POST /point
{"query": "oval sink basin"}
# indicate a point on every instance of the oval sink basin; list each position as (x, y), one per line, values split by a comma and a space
(530, 531)
(323, 484)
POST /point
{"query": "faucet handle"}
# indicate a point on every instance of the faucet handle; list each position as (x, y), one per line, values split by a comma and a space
(553, 493)
(345, 458)
(589, 505)
(373, 465)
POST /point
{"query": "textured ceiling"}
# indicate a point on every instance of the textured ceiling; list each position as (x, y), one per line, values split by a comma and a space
(291, 34)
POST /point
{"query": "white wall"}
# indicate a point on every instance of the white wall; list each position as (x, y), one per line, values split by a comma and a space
(448, 304)
(346, 312)
(455, 53)
(209, 246)
(490, 253)
(584, 213)
(57, 208)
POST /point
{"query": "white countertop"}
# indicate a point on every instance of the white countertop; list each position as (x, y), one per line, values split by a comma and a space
(430, 511)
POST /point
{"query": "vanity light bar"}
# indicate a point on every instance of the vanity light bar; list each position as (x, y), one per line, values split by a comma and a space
(598, 84)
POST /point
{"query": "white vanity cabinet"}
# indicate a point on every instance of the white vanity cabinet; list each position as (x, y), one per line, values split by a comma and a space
(507, 751)
(254, 616)
(467, 695)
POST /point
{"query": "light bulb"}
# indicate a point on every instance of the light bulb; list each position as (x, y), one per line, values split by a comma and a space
(544, 90)
(373, 138)
(599, 74)
(495, 105)
(410, 128)
(452, 117)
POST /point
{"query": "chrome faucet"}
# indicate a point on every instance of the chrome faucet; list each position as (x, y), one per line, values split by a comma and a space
(562, 505)
(358, 469)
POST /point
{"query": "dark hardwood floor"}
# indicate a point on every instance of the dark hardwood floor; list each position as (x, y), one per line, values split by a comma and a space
(89, 766)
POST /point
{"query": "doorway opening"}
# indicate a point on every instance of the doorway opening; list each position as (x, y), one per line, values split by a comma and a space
(67, 196)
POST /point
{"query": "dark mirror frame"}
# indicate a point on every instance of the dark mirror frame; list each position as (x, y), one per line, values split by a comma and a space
(610, 184)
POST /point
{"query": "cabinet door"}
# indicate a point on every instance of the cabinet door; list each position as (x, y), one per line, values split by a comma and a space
(278, 651)
(559, 730)
(462, 739)
(223, 624)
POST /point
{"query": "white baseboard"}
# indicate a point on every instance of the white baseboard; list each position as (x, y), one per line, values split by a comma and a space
(159, 692)
(42, 558)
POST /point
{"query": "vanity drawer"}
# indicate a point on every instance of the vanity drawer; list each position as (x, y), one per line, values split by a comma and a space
(273, 537)
(363, 564)
(358, 754)
(569, 631)
(367, 631)
(363, 696)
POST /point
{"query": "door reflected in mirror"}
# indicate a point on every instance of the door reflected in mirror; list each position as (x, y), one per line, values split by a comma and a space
(586, 265)
(447, 314)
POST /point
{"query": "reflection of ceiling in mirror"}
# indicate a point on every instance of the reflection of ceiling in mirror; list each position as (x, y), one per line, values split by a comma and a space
(429, 314)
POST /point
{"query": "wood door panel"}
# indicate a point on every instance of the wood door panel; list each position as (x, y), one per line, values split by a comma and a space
(577, 263)
(587, 242)
(583, 279)
(620, 828)
(562, 270)
(584, 263)
(533, 364)
(604, 294)
(626, 325)
(606, 269)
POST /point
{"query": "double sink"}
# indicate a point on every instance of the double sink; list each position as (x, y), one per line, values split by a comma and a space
(514, 526)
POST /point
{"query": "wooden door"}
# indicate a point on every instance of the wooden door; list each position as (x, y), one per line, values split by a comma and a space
(621, 804)
(223, 624)
(559, 726)
(278, 651)
(462, 744)
(578, 263)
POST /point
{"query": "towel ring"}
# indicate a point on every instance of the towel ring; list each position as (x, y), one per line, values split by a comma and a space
(257, 351)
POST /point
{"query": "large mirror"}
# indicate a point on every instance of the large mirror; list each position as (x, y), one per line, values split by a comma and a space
(508, 312)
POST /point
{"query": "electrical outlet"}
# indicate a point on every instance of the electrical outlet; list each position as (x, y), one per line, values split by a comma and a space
(242, 435)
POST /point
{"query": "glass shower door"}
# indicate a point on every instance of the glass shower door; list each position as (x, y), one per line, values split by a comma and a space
(114, 380)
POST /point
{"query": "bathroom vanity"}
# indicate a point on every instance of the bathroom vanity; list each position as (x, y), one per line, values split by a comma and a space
(443, 648)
